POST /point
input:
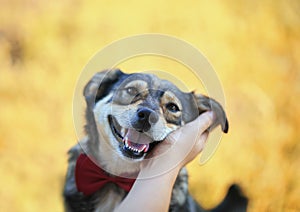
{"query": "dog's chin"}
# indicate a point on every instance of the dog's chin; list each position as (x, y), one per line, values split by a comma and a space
(132, 144)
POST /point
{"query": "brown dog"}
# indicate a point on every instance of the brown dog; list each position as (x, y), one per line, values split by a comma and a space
(127, 116)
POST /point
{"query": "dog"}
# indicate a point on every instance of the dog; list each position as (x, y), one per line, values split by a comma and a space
(127, 115)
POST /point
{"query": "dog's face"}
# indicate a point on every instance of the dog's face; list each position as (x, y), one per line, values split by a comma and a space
(134, 112)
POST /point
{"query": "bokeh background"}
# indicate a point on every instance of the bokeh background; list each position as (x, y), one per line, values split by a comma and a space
(254, 47)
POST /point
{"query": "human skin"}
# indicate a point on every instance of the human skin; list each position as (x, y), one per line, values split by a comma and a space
(152, 192)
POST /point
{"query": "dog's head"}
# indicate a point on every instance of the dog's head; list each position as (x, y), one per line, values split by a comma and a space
(133, 112)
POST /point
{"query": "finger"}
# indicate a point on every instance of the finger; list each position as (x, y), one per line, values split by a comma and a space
(200, 143)
(197, 148)
(192, 130)
(201, 123)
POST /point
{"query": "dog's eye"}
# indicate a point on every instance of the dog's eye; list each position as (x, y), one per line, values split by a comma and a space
(172, 107)
(132, 91)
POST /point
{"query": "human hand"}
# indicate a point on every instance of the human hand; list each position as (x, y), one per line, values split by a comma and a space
(179, 148)
(160, 171)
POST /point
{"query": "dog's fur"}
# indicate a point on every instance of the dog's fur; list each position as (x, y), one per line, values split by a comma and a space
(137, 105)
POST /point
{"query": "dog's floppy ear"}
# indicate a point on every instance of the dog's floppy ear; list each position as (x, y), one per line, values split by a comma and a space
(100, 84)
(205, 103)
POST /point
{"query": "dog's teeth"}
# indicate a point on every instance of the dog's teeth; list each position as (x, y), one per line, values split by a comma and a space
(126, 142)
(132, 148)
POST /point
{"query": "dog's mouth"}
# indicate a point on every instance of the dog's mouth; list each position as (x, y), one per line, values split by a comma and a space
(133, 144)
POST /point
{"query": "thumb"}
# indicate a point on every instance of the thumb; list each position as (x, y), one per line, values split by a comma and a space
(193, 130)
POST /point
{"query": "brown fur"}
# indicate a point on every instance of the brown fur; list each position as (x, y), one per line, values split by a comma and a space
(115, 99)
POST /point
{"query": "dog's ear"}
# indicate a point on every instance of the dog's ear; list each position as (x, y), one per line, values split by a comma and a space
(100, 85)
(205, 103)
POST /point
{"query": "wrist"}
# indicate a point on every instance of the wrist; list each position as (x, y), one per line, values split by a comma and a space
(170, 175)
(146, 186)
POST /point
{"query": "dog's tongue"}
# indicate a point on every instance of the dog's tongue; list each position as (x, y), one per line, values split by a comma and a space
(137, 140)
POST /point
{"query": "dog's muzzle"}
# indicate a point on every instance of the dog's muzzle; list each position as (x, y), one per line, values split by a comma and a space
(133, 142)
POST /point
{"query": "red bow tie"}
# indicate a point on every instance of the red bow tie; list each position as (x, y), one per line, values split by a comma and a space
(90, 177)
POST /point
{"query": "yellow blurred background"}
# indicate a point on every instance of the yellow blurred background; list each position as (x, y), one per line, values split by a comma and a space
(254, 47)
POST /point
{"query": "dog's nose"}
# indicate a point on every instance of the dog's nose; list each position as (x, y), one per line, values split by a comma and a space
(145, 114)
(145, 117)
